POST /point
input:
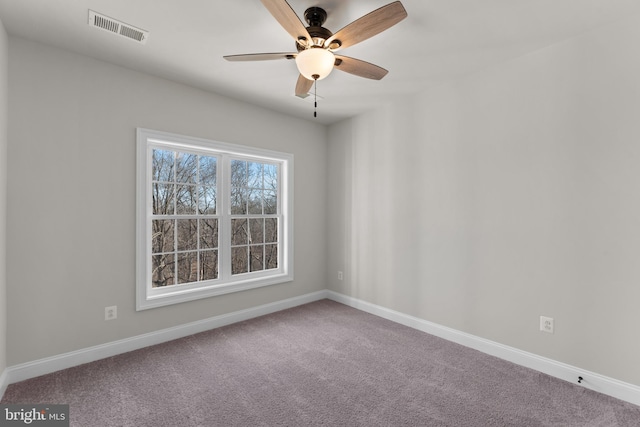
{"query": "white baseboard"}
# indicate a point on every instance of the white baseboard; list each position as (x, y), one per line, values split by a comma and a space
(591, 380)
(48, 365)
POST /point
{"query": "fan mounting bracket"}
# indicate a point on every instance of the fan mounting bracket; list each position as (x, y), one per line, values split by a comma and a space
(315, 16)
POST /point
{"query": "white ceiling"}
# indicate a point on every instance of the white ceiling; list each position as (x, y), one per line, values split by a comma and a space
(439, 41)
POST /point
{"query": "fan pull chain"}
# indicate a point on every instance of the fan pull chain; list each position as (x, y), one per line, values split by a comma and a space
(315, 95)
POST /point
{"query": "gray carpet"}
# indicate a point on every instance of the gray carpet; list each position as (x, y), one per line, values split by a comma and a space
(321, 364)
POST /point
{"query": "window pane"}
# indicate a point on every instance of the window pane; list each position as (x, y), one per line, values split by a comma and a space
(239, 232)
(163, 198)
(271, 177)
(239, 235)
(162, 165)
(271, 230)
(238, 187)
(256, 230)
(186, 167)
(162, 270)
(254, 171)
(238, 200)
(162, 236)
(186, 200)
(239, 261)
(257, 257)
(206, 200)
(208, 167)
(238, 173)
(270, 203)
(271, 256)
(208, 233)
(255, 202)
(208, 265)
(187, 267)
(187, 234)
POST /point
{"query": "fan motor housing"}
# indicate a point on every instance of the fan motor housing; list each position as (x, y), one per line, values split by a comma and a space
(315, 17)
(318, 36)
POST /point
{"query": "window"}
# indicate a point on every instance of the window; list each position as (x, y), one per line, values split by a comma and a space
(212, 218)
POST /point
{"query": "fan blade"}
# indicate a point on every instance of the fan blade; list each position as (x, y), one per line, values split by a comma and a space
(359, 68)
(368, 25)
(285, 15)
(260, 56)
(303, 86)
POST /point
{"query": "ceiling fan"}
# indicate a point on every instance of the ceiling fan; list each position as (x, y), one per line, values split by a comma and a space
(316, 45)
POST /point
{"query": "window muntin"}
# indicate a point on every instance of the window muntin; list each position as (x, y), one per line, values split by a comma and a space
(213, 218)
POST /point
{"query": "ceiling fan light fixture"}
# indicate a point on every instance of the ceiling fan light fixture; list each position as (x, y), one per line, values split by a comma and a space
(315, 63)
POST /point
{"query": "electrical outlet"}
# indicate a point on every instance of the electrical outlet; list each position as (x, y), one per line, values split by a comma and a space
(546, 324)
(340, 275)
(111, 313)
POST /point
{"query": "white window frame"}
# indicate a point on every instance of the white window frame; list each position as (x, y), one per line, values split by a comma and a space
(148, 297)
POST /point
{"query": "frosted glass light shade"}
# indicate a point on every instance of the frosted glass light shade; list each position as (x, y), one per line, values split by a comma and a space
(315, 62)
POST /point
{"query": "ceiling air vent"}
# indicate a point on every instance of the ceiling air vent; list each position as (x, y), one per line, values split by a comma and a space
(114, 26)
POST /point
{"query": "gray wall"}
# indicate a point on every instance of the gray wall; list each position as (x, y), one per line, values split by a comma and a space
(509, 194)
(3, 194)
(71, 196)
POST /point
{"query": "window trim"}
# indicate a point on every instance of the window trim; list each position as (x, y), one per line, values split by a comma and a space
(148, 297)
